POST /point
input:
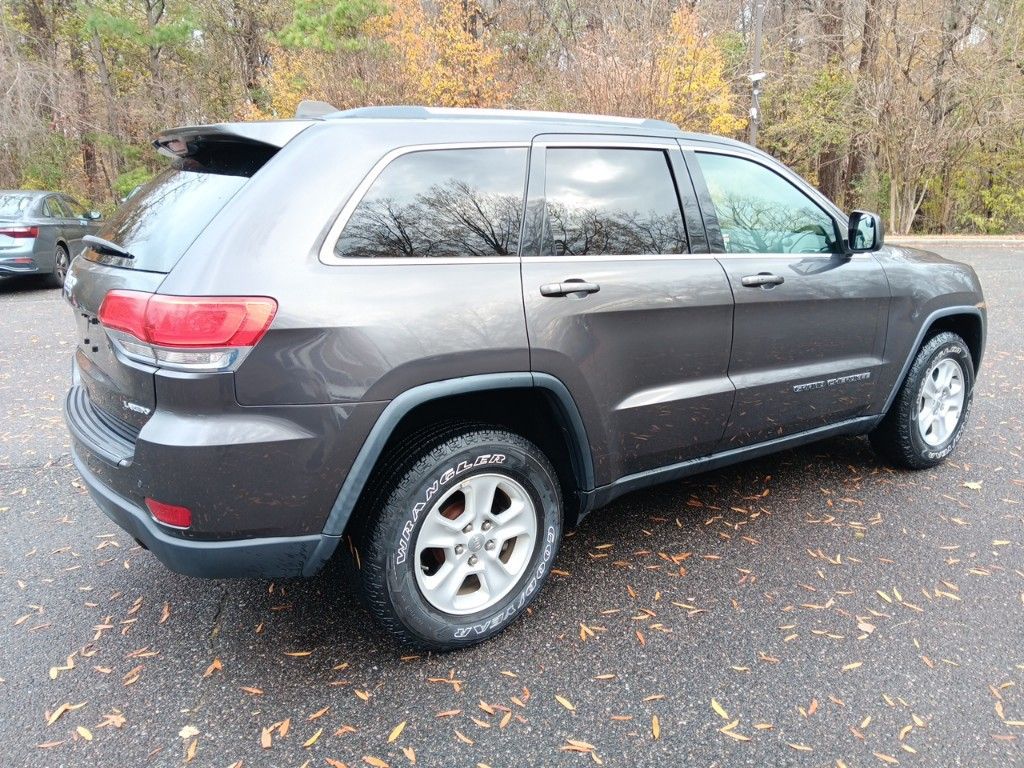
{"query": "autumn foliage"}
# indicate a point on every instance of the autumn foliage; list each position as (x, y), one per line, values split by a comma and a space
(909, 107)
(694, 91)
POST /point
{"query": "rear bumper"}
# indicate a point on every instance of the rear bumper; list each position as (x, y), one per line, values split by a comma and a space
(274, 557)
(259, 481)
(18, 257)
(12, 267)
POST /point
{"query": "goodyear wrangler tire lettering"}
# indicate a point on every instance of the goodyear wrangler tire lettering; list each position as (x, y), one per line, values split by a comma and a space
(446, 477)
(439, 481)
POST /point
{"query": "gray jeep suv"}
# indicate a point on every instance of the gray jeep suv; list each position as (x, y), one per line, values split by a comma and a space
(432, 339)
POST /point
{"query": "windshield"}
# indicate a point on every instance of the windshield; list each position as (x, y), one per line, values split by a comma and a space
(14, 205)
(160, 222)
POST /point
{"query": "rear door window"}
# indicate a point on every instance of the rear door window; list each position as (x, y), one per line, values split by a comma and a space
(53, 208)
(441, 203)
(611, 201)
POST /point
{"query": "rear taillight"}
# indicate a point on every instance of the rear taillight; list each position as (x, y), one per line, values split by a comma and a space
(20, 232)
(169, 514)
(186, 332)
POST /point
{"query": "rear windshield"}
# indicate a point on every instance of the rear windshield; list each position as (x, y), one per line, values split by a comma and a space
(160, 221)
(14, 205)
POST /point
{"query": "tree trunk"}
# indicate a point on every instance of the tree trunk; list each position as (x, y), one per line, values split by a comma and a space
(84, 116)
(115, 159)
(831, 160)
(866, 72)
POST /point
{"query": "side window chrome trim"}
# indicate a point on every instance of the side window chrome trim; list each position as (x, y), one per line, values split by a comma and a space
(612, 142)
(597, 258)
(327, 254)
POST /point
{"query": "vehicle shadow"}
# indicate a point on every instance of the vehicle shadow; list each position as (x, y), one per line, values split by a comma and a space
(26, 284)
(325, 611)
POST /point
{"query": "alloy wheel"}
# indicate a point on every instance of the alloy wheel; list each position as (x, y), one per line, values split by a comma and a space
(475, 544)
(940, 402)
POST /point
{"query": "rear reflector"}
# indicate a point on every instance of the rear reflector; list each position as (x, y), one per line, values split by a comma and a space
(20, 232)
(170, 514)
(199, 322)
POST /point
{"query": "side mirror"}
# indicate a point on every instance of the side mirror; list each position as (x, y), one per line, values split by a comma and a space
(94, 215)
(866, 232)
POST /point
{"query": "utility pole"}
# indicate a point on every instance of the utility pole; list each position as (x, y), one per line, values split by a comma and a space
(756, 76)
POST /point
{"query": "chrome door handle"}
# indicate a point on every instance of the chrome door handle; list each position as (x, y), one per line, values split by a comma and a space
(762, 280)
(569, 287)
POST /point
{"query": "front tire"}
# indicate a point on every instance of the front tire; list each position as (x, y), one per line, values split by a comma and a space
(927, 418)
(461, 538)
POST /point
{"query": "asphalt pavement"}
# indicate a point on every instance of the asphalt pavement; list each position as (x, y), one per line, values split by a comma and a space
(812, 608)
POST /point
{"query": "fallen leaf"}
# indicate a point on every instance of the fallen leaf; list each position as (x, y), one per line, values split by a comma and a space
(112, 719)
(312, 739)
(214, 666)
(396, 732)
(84, 732)
(188, 732)
(132, 676)
(719, 709)
(62, 710)
(565, 703)
(656, 727)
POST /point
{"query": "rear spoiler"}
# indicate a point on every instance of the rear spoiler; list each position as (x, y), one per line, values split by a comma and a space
(274, 133)
(235, 148)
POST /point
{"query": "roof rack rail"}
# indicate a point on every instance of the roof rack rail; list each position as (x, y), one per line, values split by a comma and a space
(411, 112)
(308, 108)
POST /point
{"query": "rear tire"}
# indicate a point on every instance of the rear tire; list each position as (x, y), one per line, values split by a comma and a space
(61, 263)
(489, 502)
(927, 418)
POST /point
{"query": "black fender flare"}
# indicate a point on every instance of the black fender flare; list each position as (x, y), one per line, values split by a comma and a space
(397, 409)
(922, 331)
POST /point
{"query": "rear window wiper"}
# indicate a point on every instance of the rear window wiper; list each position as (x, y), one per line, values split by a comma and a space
(100, 245)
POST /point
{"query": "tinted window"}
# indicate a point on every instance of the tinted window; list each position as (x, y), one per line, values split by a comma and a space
(611, 201)
(160, 222)
(760, 212)
(441, 203)
(15, 205)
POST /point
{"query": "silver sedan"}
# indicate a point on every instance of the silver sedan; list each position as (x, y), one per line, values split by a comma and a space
(41, 232)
